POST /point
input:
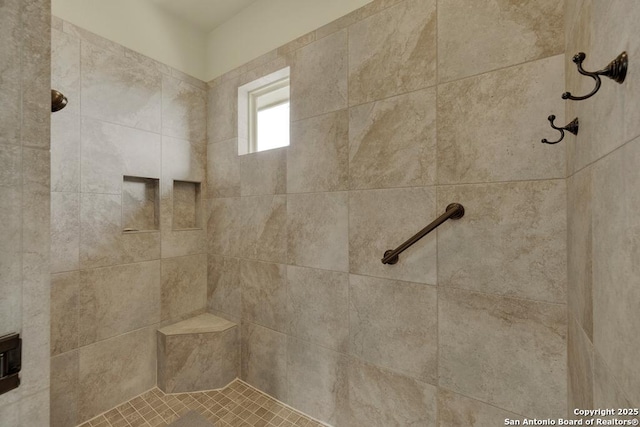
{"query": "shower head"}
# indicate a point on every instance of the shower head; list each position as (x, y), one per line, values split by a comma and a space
(58, 101)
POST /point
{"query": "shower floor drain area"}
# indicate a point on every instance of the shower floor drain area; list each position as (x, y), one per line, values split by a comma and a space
(237, 405)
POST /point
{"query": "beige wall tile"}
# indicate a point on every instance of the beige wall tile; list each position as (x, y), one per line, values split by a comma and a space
(263, 173)
(264, 294)
(318, 307)
(382, 398)
(395, 325)
(108, 80)
(64, 390)
(616, 249)
(102, 241)
(196, 362)
(65, 289)
(580, 368)
(490, 126)
(65, 231)
(607, 392)
(317, 227)
(317, 381)
(486, 35)
(511, 241)
(110, 151)
(392, 143)
(65, 69)
(319, 77)
(10, 30)
(264, 360)
(222, 114)
(455, 410)
(119, 299)
(115, 370)
(579, 249)
(318, 158)
(510, 353)
(227, 227)
(223, 169)
(184, 285)
(36, 202)
(224, 292)
(268, 228)
(393, 52)
(65, 152)
(184, 110)
(383, 219)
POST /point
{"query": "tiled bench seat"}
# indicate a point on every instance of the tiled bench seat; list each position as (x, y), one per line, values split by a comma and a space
(200, 353)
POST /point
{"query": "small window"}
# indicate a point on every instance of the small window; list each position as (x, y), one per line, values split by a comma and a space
(263, 113)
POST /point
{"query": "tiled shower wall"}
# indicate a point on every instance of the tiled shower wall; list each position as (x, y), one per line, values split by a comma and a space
(603, 198)
(397, 110)
(24, 202)
(127, 115)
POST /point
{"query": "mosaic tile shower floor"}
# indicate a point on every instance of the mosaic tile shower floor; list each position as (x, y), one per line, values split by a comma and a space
(237, 405)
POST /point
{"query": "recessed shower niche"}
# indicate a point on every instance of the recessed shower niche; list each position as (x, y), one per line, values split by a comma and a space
(140, 204)
(186, 205)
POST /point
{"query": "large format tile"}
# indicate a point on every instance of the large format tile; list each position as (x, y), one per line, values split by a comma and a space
(607, 392)
(319, 77)
(264, 294)
(115, 370)
(616, 250)
(119, 299)
(65, 68)
(120, 90)
(579, 249)
(510, 353)
(65, 390)
(379, 398)
(222, 114)
(11, 33)
(263, 173)
(511, 241)
(318, 306)
(65, 152)
(184, 285)
(65, 232)
(475, 37)
(317, 381)
(393, 52)
(317, 228)
(224, 289)
(223, 169)
(490, 126)
(406, 339)
(102, 241)
(110, 151)
(11, 238)
(184, 110)
(455, 410)
(318, 157)
(392, 143)
(383, 219)
(264, 360)
(65, 289)
(580, 368)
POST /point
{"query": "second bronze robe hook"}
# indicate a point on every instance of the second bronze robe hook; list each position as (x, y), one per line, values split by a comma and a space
(616, 71)
(571, 127)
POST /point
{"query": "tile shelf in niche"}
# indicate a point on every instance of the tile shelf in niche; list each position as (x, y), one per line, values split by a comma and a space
(187, 212)
(140, 204)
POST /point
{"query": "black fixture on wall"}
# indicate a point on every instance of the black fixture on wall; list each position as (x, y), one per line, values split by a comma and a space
(58, 101)
(616, 71)
(571, 127)
(453, 211)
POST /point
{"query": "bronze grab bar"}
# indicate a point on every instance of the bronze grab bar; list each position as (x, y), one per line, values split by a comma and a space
(453, 211)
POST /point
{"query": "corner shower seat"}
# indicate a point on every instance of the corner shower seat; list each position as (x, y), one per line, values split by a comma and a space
(200, 353)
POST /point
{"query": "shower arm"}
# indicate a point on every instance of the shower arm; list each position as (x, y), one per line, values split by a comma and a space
(453, 211)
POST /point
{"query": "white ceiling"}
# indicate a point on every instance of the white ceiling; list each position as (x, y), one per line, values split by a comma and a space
(205, 15)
